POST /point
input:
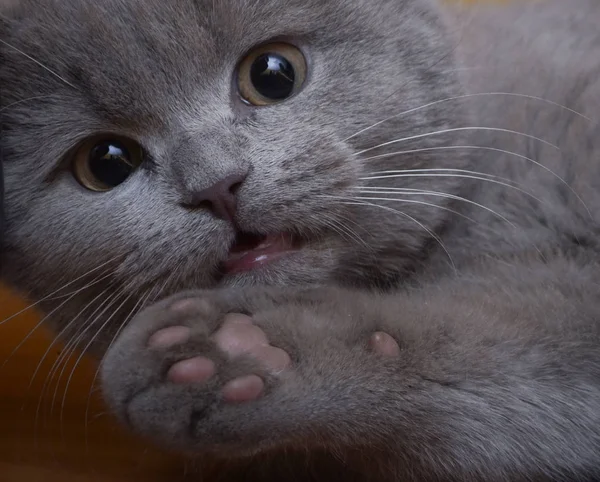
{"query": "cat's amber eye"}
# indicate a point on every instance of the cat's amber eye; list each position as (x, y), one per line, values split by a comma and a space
(101, 164)
(271, 73)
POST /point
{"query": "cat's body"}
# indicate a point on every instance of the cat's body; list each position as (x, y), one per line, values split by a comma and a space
(494, 301)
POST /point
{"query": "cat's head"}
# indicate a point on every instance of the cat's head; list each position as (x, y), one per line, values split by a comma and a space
(147, 144)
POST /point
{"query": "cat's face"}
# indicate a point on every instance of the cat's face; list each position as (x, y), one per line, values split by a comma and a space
(171, 86)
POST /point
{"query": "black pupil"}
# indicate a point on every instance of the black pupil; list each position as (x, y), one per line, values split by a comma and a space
(273, 76)
(110, 163)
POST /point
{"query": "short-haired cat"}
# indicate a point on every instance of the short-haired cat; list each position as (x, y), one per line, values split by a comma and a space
(318, 239)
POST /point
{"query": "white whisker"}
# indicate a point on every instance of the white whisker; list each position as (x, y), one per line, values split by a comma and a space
(84, 351)
(17, 102)
(423, 203)
(425, 228)
(442, 170)
(466, 96)
(71, 347)
(483, 176)
(419, 192)
(39, 63)
(494, 149)
(136, 309)
(465, 176)
(50, 313)
(64, 356)
(47, 297)
(344, 230)
(446, 148)
(60, 334)
(458, 129)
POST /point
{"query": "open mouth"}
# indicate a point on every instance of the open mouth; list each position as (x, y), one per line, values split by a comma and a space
(251, 251)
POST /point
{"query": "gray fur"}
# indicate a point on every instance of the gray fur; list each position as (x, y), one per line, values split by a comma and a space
(499, 374)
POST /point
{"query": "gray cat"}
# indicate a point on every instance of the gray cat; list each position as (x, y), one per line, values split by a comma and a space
(392, 208)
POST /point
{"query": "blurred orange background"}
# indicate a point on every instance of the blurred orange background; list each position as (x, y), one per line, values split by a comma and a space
(43, 440)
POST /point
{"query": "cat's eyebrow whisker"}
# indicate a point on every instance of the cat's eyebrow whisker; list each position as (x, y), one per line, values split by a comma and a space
(466, 96)
(45, 67)
(418, 192)
(458, 129)
(400, 213)
(55, 292)
(28, 99)
(463, 176)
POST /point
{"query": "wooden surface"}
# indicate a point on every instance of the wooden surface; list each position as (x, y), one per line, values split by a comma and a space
(45, 441)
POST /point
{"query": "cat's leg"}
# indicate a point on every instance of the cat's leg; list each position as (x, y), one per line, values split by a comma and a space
(192, 355)
(494, 377)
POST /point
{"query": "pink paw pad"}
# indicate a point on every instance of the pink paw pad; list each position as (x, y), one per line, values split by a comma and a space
(383, 344)
(237, 336)
(167, 337)
(192, 370)
(243, 389)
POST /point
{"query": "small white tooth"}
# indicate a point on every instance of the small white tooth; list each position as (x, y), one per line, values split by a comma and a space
(261, 257)
(264, 245)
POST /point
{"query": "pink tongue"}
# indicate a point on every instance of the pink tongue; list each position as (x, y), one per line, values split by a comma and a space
(270, 249)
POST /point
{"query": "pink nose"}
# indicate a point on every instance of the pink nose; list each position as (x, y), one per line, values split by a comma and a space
(220, 198)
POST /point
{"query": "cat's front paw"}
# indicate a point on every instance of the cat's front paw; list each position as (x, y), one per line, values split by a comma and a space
(186, 368)
(234, 370)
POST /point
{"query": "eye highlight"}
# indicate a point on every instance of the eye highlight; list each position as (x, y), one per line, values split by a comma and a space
(271, 73)
(101, 164)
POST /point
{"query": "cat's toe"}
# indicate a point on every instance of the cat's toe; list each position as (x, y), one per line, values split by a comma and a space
(236, 337)
(384, 344)
(239, 336)
(243, 389)
(168, 337)
(192, 370)
(187, 368)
